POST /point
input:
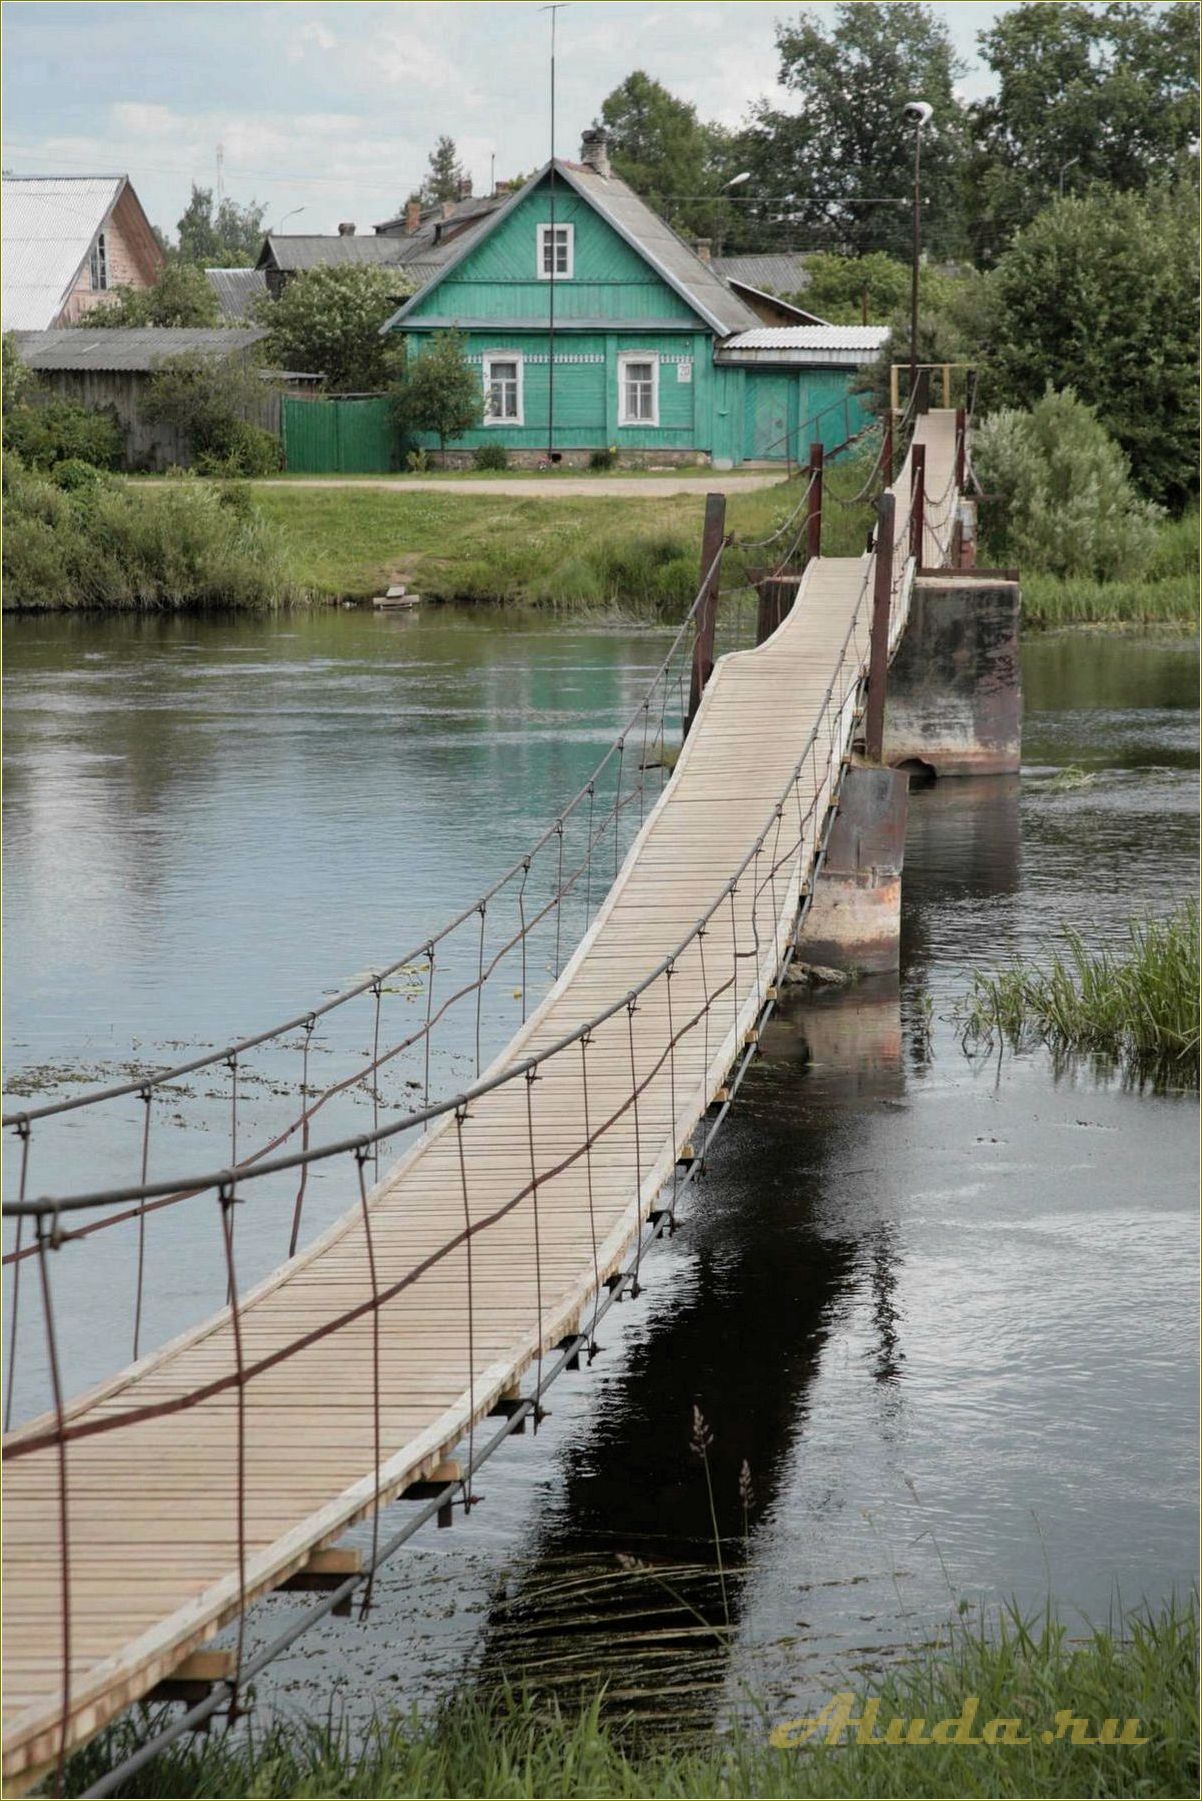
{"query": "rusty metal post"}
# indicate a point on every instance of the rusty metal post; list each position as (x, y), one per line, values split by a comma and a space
(887, 451)
(878, 646)
(814, 516)
(707, 612)
(961, 448)
(918, 485)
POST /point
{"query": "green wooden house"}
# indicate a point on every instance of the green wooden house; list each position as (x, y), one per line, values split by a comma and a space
(594, 325)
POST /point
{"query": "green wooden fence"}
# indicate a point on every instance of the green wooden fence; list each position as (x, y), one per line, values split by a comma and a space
(339, 437)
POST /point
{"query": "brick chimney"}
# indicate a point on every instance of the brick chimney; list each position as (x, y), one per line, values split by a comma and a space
(413, 217)
(448, 209)
(464, 190)
(346, 229)
(703, 247)
(594, 150)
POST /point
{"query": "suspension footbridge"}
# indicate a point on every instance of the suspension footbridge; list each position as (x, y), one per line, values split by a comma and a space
(144, 1516)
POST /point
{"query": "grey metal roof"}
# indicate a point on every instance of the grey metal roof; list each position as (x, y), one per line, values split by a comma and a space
(292, 254)
(47, 224)
(236, 290)
(696, 282)
(838, 346)
(782, 272)
(140, 348)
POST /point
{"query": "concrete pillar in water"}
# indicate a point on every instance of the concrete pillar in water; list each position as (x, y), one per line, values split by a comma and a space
(855, 916)
(954, 700)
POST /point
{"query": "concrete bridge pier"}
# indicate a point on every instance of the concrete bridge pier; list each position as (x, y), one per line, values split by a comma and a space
(854, 919)
(954, 699)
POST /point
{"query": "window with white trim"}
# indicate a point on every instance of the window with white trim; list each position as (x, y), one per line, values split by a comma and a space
(503, 389)
(556, 249)
(99, 263)
(638, 389)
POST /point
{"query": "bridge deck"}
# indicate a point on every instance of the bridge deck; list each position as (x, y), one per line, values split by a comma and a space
(153, 1520)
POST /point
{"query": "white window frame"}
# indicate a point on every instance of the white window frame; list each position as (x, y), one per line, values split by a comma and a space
(504, 356)
(544, 274)
(638, 356)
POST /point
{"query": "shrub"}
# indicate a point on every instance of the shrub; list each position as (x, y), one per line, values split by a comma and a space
(603, 459)
(249, 450)
(54, 431)
(74, 473)
(491, 456)
(109, 546)
(1061, 496)
(17, 377)
(207, 399)
(417, 462)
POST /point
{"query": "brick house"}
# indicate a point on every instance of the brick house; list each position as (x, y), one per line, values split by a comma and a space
(69, 241)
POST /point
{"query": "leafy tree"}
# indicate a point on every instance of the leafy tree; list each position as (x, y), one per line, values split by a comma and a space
(1101, 295)
(1084, 94)
(849, 139)
(180, 296)
(674, 161)
(229, 238)
(1060, 494)
(213, 401)
(327, 321)
(445, 174)
(441, 392)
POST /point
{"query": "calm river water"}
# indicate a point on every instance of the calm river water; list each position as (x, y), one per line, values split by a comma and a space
(944, 1310)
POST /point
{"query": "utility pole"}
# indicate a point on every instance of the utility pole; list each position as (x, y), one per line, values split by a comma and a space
(553, 10)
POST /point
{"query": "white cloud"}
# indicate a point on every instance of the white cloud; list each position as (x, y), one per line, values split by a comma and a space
(311, 36)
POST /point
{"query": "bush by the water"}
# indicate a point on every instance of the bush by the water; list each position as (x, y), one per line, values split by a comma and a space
(1138, 1005)
(211, 401)
(1060, 496)
(1032, 1676)
(491, 456)
(105, 544)
(57, 431)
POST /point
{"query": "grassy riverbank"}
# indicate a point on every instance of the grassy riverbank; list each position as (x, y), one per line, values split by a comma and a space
(1022, 1674)
(1138, 1005)
(1167, 595)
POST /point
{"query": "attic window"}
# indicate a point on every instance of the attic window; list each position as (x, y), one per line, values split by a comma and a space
(99, 263)
(555, 252)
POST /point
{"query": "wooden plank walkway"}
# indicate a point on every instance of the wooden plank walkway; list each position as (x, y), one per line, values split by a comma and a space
(153, 1506)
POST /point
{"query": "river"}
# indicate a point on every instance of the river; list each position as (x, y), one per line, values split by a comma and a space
(944, 1310)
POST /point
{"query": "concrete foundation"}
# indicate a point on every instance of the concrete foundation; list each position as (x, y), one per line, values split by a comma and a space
(854, 919)
(955, 695)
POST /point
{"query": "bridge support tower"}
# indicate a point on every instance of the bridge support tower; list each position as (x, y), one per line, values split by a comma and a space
(854, 918)
(954, 700)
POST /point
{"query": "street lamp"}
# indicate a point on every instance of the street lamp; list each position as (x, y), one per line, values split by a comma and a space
(736, 181)
(292, 215)
(916, 113)
(1064, 168)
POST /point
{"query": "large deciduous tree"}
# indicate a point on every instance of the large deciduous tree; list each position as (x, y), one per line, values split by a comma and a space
(228, 236)
(671, 158)
(1084, 94)
(1100, 295)
(821, 169)
(327, 322)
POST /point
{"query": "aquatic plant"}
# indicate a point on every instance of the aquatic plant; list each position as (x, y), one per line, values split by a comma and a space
(517, 1742)
(1138, 1004)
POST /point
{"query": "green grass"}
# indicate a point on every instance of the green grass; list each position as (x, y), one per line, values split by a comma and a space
(505, 1743)
(1167, 595)
(624, 553)
(1138, 1005)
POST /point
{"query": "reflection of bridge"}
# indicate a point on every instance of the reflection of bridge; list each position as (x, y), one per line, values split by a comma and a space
(146, 1514)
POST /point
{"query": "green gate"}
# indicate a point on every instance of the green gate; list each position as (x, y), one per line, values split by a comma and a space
(339, 437)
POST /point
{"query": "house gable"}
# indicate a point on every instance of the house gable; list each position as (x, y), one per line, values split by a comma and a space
(611, 282)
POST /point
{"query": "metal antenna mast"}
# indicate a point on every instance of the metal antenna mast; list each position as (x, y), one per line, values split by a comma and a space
(555, 8)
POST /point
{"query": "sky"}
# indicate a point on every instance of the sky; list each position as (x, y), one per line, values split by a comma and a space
(326, 110)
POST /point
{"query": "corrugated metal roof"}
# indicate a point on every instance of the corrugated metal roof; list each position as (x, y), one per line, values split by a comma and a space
(236, 290)
(811, 337)
(783, 272)
(696, 282)
(47, 224)
(138, 348)
(292, 254)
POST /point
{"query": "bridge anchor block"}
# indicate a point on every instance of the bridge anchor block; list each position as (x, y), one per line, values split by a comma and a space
(854, 919)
